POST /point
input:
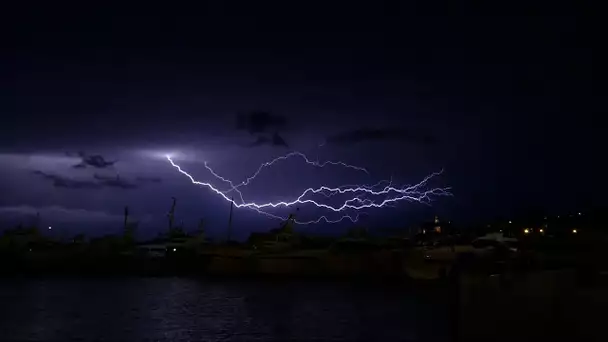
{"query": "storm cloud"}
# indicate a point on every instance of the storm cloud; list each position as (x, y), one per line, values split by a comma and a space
(66, 182)
(98, 182)
(260, 122)
(275, 140)
(95, 160)
(381, 134)
(142, 179)
(115, 182)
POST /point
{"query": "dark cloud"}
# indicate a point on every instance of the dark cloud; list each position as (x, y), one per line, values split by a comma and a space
(384, 134)
(104, 178)
(94, 160)
(148, 179)
(261, 140)
(275, 140)
(114, 182)
(98, 182)
(68, 183)
(260, 122)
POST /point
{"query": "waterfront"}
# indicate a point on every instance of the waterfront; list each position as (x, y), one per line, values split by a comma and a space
(157, 309)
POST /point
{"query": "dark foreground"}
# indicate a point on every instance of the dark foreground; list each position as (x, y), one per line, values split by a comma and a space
(191, 309)
(304, 297)
(552, 305)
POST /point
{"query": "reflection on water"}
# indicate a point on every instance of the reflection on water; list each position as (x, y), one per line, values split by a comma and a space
(133, 309)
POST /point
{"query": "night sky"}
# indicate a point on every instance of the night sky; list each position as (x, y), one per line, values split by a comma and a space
(501, 99)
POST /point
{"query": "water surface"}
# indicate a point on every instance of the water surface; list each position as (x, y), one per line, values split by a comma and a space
(176, 309)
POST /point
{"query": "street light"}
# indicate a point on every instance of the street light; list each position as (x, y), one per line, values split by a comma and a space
(526, 231)
(574, 231)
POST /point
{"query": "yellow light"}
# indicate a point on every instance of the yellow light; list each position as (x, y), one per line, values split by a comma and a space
(526, 231)
(574, 231)
(541, 230)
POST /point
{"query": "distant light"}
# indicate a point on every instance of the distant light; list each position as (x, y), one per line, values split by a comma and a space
(526, 231)
(500, 230)
(50, 227)
(579, 214)
(557, 216)
(30, 249)
(545, 217)
(541, 230)
(174, 249)
(510, 222)
(574, 231)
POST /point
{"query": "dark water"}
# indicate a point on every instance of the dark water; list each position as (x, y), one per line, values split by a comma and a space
(182, 309)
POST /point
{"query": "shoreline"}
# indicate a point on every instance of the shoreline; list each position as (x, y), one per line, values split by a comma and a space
(388, 266)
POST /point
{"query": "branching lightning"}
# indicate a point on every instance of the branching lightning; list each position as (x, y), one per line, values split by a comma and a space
(392, 194)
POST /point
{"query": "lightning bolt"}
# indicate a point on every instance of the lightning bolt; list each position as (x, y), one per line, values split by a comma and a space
(411, 193)
(287, 156)
(270, 163)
